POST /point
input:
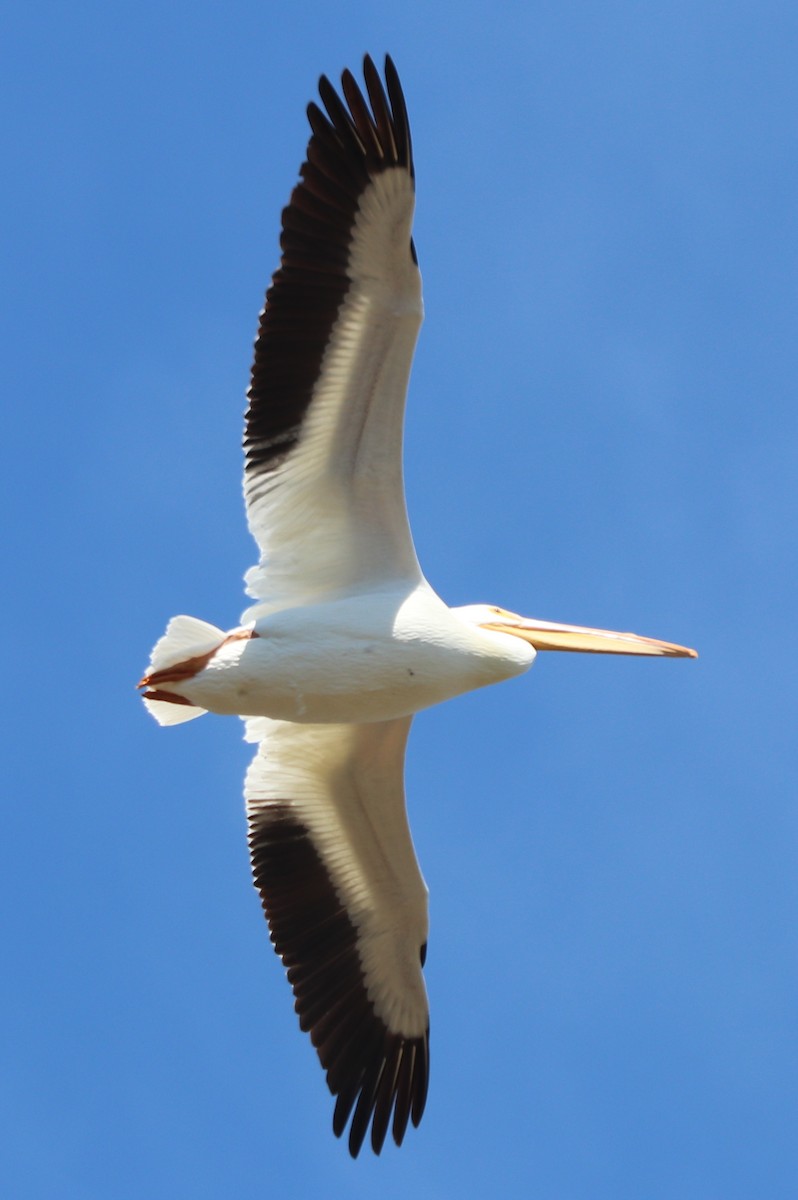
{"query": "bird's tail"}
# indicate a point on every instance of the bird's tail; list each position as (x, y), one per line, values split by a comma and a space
(186, 639)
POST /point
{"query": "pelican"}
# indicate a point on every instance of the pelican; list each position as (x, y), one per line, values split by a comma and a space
(345, 640)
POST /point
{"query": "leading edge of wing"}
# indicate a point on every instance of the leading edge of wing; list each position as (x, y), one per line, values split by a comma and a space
(333, 352)
(346, 904)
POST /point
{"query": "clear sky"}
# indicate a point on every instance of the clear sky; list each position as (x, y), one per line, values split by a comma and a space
(602, 429)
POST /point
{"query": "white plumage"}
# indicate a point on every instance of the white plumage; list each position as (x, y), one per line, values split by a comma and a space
(345, 640)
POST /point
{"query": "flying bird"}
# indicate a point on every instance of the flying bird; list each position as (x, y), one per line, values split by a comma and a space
(346, 640)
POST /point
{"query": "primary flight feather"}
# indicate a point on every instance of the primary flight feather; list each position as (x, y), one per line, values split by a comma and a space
(345, 640)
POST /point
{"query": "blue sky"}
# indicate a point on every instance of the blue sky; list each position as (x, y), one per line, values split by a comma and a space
(602, 429)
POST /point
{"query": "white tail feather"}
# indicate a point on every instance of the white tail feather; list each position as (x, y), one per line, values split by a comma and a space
(166, 713)
(185, 637)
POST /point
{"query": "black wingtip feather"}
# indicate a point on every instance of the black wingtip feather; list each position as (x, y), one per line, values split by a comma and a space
(386, 1097)
(404, 1093)
(420, 1079)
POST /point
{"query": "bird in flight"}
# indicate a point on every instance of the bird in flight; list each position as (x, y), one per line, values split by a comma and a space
(345, 640)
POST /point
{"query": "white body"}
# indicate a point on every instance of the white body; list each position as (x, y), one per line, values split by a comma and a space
(370, 657)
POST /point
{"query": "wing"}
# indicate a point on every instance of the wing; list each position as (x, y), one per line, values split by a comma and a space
(323, 440)
(346, 904)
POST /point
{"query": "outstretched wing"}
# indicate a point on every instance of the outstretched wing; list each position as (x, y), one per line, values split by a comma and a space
(346, 904)
(323, 439)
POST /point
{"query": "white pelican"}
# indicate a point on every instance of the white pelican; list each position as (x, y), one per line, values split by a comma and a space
(346, 639)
